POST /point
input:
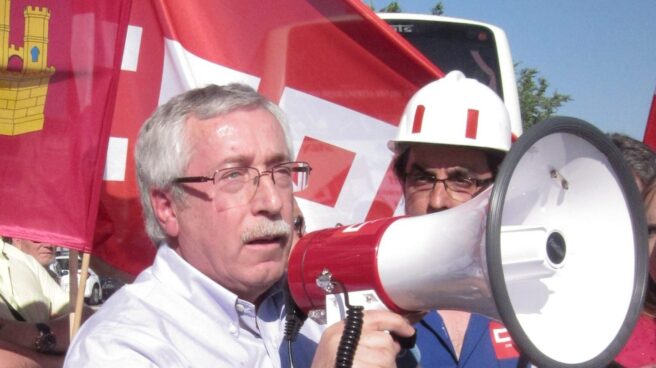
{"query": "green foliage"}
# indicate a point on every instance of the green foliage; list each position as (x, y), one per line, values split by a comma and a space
(438, 9)
(535, 104)
(392, 7)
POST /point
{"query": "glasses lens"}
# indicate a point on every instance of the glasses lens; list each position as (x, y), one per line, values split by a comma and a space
(299, 174)
(461, 185)
(237, 186)
(233, 180)
(292, 174)
(420, 182)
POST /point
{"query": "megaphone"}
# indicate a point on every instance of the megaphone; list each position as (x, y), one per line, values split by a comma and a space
(556, 250)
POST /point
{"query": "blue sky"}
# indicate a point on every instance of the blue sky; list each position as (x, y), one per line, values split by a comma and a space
(600, 52)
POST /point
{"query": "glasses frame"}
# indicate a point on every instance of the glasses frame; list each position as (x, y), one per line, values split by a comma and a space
(202, 179)
(477, 184)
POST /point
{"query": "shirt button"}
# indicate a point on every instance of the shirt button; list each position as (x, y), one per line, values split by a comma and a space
(240, 308)
(233, 329)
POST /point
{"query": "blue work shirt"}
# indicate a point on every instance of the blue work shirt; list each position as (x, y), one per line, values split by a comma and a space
(478, 349)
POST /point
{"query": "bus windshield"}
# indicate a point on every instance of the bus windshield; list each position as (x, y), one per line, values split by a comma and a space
(466, 47)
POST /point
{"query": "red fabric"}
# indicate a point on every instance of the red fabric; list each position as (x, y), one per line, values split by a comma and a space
(50, 176)
(650, 130)
(640, 350)
(338, 51)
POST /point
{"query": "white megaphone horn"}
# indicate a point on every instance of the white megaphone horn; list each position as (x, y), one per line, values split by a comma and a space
(556, 250)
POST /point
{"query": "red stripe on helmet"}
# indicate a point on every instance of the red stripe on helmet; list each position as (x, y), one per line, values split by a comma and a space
(472, 124)
(419, 119)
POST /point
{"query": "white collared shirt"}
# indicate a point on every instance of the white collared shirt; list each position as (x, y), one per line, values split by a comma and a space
(174, 316)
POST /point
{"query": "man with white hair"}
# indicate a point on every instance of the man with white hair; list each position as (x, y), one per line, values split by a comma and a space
(216, 179)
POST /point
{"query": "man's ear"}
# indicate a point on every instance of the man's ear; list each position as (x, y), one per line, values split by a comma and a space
(165, 211)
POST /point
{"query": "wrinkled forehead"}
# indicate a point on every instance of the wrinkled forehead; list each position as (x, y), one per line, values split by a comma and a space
(435, 157)
(239, 137)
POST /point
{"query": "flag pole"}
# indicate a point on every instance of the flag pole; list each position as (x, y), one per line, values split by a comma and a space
(79, 298)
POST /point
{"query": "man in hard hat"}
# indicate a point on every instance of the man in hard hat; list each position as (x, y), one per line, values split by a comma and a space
(453, 135)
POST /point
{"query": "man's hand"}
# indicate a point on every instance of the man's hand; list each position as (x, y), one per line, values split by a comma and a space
(376, 347)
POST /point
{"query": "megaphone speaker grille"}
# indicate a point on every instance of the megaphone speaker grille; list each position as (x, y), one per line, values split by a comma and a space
(566, 245)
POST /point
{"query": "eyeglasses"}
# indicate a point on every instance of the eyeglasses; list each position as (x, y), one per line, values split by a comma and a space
(460, 188)
(239, 184)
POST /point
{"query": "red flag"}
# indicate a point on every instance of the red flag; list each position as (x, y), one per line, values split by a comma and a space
(340, 73)
(57, 82)
(650, 130)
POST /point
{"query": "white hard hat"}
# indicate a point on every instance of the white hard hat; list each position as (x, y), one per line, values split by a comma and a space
(457, 111)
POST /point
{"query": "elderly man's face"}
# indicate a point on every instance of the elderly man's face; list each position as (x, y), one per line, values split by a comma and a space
(44, 253)
(441, 162)
(225, 242)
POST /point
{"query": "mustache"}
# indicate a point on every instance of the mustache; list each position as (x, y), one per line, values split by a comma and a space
(266, 229)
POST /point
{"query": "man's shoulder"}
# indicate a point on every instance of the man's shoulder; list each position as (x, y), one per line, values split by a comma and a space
(15, 255)
(119, 334)
(124, 318)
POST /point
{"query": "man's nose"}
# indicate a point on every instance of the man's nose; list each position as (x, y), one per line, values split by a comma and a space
(267, 197)
(439, 199)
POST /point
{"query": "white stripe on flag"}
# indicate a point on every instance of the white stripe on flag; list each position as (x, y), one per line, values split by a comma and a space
(117, 154)
(131, 50)
(184, 70)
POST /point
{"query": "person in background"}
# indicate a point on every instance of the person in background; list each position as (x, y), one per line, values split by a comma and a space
(44, 253)
(640, 350)
(216, 180)
(639, 157)
(452, 136)
(34, 322)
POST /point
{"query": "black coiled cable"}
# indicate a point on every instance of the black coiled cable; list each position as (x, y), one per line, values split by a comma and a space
(350, 337)
(352, 331)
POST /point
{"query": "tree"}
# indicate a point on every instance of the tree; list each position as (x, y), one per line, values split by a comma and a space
(392, 7)
(438, 9)
(535, 104)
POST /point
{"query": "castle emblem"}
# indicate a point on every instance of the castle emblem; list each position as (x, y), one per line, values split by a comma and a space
(23, 92)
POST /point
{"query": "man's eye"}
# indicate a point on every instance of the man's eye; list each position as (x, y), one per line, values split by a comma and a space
(238, 174)
(423, 178)
(460, 183)
(283, 171)
(461, 180)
